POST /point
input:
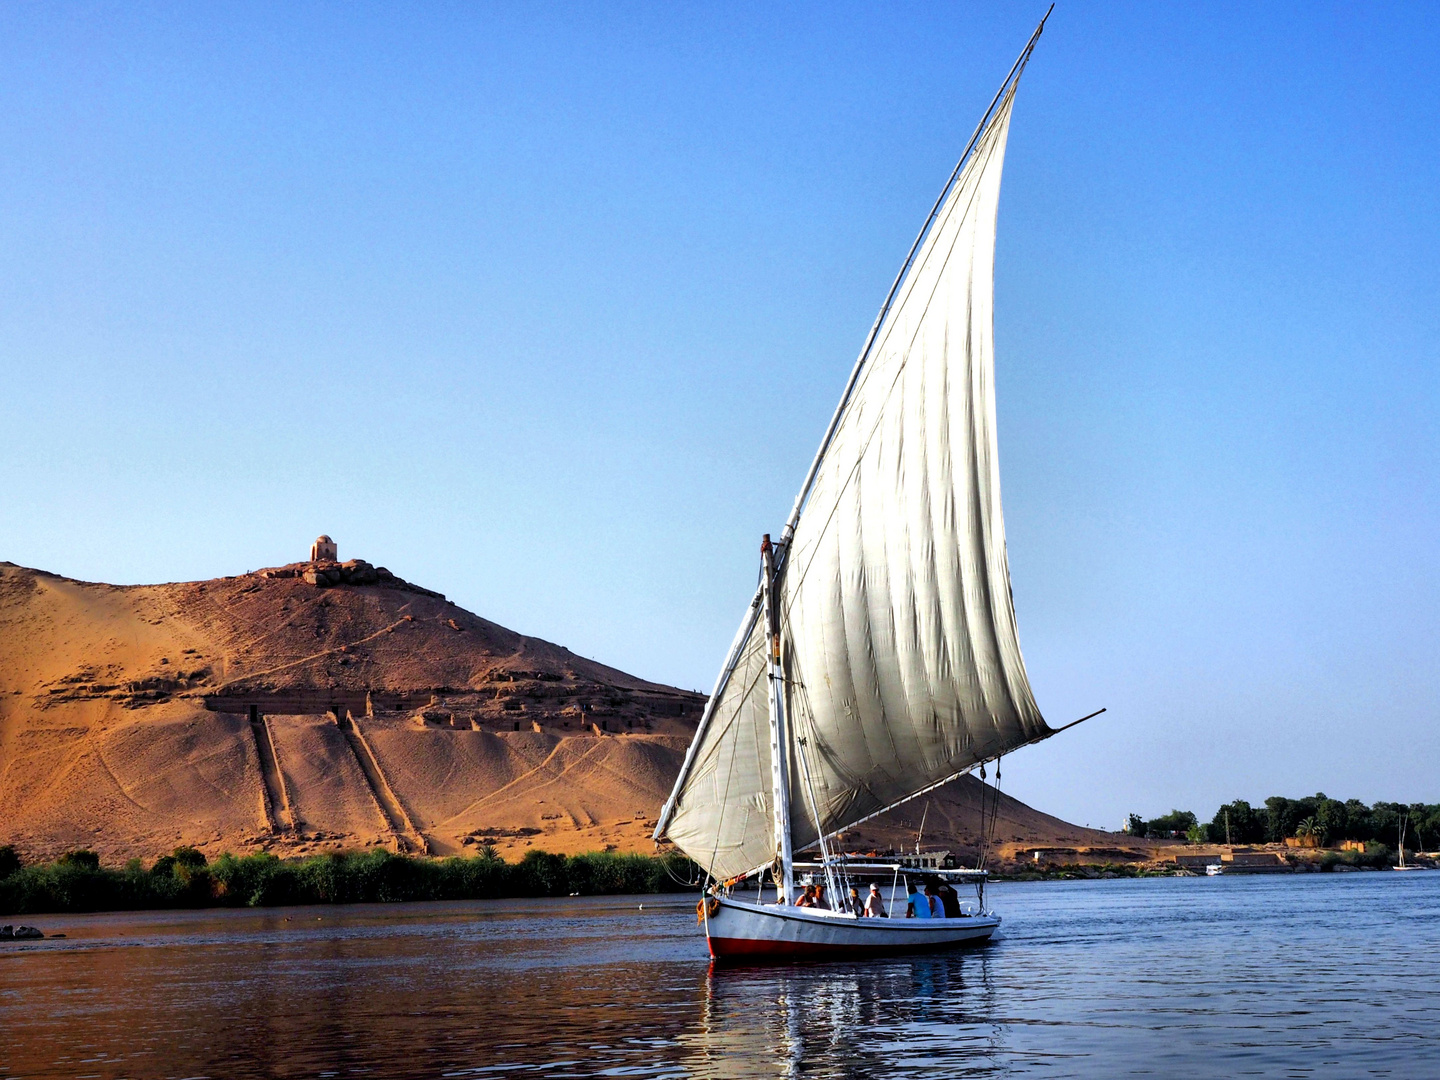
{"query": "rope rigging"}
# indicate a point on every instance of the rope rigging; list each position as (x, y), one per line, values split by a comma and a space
(988, 822)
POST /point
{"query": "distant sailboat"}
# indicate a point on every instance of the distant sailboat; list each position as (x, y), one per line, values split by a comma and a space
(879, 657)
(1405, 821)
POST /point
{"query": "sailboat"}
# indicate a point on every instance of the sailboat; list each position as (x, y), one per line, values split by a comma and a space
(878, 658)
(1405, 821)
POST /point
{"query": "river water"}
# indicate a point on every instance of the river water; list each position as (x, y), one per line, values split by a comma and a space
(1333, 975)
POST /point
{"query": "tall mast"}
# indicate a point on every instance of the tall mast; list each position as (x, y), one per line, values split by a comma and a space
(779, 734)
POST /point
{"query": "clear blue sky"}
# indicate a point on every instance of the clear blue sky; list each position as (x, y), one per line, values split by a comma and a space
(547, 308)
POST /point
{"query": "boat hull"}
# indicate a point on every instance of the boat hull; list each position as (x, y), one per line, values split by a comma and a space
(739, 931)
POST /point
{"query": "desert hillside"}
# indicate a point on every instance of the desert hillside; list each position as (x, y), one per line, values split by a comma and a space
(322, 705)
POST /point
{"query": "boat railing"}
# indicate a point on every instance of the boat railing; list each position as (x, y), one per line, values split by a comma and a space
(854, 869)
(858, 867)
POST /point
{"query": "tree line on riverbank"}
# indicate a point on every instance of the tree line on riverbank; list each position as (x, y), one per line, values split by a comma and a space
(77, 882)
(1329, 820)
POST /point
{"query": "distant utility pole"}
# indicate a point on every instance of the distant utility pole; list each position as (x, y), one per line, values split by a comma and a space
(1227, 829)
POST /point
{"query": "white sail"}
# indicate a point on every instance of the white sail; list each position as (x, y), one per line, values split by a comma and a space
(720, 813)
(901, 656)
(904, 661)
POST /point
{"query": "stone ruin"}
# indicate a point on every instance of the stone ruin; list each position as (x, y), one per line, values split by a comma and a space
(354, 572)
(323, 575)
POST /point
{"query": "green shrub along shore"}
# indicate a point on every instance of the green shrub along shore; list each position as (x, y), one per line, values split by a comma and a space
(76, 882)
(1327, 819)
(1376, 856)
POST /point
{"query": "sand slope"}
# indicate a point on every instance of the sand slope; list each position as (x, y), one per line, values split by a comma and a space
(266, 711)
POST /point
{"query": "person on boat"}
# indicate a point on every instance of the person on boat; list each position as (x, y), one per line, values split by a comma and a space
(819, 896)
(917, 904)
(875, 904)
(949, 900)
(806, 898)
(937, 909)
(854, 904)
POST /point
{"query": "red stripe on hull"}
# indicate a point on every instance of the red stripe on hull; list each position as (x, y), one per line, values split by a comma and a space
(754, 949)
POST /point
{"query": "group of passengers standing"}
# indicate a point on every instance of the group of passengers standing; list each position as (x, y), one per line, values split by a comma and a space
(932, 902)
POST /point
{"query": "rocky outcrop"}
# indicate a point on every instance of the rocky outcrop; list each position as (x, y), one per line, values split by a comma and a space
(324, 574)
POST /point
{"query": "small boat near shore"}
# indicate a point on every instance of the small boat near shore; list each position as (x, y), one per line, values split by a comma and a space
(1402, 865)
(879, 657)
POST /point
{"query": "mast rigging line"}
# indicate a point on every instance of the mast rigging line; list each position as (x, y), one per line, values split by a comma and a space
(969, 770)
(987, 839)
(956, 775)
(782, 552)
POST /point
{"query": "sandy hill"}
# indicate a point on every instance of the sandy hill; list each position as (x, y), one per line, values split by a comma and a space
(326, 704)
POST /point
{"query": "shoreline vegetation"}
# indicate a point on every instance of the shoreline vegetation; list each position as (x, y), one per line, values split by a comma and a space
(1313, 821)
(76, 882)
(1375, 857)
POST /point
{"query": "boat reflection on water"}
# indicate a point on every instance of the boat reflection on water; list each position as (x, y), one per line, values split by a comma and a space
(864, 1019)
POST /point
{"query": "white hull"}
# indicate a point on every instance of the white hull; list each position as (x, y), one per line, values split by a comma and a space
(741, 930)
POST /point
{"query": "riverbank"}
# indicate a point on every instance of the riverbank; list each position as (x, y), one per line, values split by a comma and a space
(77, 882)
(1189, 861)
